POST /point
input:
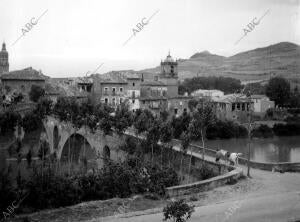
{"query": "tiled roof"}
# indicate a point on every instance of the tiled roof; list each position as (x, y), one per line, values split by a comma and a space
(153, 98)
(231, 98)
(24, 74)
(152, 83)
(258, 96)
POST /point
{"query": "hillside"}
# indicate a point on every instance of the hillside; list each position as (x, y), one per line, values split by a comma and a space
(279, 59)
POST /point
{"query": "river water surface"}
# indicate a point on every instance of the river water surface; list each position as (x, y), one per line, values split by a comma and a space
(276, 149)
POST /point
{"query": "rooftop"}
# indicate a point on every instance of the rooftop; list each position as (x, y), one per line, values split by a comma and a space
(152, 83)
(231, 98)
(24, 74)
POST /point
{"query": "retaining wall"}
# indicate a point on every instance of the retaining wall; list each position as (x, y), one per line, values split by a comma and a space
(229, 174)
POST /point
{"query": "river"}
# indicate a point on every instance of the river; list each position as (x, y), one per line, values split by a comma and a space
(276, 149)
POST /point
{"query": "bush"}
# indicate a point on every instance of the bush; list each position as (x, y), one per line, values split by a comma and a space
(289, 129)
(7, 193)
(36, 92)
(226, 130)
(262, 131)
(178, 211)
(48, 190)
(31, 122)
(8, 121)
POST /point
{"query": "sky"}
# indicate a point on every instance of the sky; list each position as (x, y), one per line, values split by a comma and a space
(73, 37)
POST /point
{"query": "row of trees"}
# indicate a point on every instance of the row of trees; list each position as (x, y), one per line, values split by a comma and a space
(225, 84)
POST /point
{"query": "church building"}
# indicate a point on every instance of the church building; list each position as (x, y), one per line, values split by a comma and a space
(4, 65)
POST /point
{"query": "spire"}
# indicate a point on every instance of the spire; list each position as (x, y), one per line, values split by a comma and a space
(3, 46)
(169, 52)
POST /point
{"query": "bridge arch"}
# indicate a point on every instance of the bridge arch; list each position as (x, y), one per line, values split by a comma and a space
(56, 138)
(77, 146)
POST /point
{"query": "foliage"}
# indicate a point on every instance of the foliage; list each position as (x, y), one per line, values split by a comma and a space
(225, 84)
(31, 122)
(185, 141)
(44, 107)
(289, 129)
(8, 121)
(226, 130)
(262, 131)
(202, 117)
(255, 88)
(66, 108)
(47, 189)
(123, 118)
(166, 132)
(36, 92)
(178, 211)
(278, 90)
(180, 124)
(130, 145)
(142, 120)
(7, 192)
(102, 113)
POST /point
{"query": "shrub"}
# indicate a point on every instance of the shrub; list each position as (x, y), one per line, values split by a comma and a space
(7, 193)
(178, 211)
(262, 131)
(226, 130)
(289, 129)
(36, 93)
(31, 122)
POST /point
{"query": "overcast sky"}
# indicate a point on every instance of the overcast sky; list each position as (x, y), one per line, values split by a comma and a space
(76, 36)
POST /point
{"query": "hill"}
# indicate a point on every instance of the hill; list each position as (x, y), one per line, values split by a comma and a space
(281, 59)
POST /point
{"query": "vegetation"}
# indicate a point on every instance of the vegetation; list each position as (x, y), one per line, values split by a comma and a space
(178, 211)
(278, 90)
(36, 92)
(225, 84)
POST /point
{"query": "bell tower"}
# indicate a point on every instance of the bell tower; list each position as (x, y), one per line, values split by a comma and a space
(4, 65)
(169, 75)
(169, 67)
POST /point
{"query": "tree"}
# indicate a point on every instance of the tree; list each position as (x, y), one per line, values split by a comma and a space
(178, 211)
(44, 107)
(142, 121)
(152, 135)
(202, 117)
(185, 142)
(123, 118)
(166, 135)
(36, 93)
(278, 90)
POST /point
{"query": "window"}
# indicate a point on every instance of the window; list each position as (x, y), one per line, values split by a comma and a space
(238, 106)
(233, 107)
(114, 101)
(133, 84)
(243, 107)
(175, 111)
(105, 91)
(114, 91)
(121, 100)
(133, 101)
(121, 89)
(106, 100)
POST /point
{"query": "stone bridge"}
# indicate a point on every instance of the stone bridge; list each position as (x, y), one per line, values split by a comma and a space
(58, 134)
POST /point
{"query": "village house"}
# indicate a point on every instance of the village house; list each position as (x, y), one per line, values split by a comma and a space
(109, 89)
(261, 104)
(233, 107)
(22, 81)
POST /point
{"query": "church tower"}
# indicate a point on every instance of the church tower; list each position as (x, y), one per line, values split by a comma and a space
(169, 75)
(4, 65)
